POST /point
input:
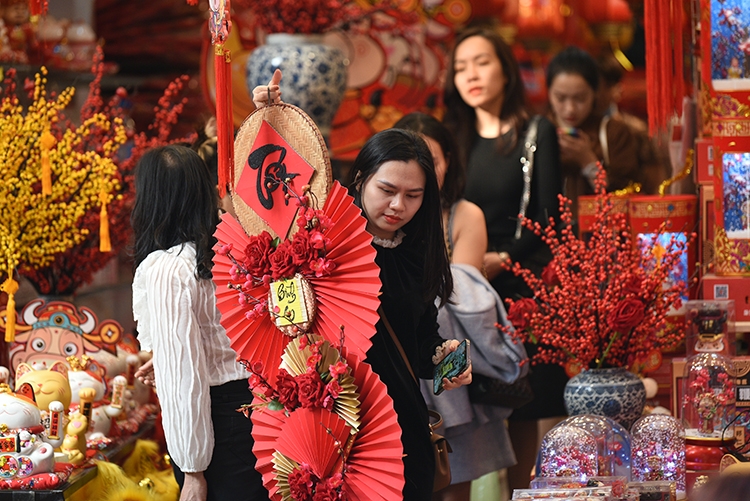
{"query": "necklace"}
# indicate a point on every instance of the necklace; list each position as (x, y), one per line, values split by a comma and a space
(389, 243)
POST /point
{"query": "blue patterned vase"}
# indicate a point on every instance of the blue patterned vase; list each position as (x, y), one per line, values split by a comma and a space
(616, 393)
(313, 74)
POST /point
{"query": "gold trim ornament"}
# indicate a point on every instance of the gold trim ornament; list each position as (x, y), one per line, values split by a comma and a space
(297, 358)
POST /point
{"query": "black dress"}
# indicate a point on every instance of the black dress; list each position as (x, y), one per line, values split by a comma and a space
(494, 181)
(414, 321)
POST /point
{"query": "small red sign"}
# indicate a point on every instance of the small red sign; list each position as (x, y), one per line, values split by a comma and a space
(273, 170)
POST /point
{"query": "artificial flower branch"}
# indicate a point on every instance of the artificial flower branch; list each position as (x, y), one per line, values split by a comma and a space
(604, 299)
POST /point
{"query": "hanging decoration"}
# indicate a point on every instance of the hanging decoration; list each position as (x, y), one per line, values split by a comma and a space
(78, 178)
(220, 25)
(663, 20)
(107, 222)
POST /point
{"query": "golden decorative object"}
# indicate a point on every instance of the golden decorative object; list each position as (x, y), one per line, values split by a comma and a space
(294, 361)
(685, 172)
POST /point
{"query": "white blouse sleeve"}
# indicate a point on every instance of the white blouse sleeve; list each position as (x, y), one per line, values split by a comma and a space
(180, 365)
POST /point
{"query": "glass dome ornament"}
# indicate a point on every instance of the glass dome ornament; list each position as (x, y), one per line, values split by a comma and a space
(620, 450)
(568, 451)
(659, 451)
(613, 444)
(708, 402)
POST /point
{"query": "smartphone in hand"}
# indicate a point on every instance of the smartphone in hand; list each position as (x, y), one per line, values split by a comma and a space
(570, 131)
(451, 366)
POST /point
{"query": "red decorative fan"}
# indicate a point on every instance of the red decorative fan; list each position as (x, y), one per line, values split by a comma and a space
(374, 469)
(314, 437)
(347, 297)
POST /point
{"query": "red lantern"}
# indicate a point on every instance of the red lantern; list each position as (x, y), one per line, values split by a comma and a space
(540, 18)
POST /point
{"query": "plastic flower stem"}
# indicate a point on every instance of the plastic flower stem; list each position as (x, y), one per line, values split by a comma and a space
(606, 350)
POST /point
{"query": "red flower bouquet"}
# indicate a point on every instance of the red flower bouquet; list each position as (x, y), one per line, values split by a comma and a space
(602, 301)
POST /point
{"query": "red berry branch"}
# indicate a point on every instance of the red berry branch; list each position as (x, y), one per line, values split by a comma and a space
(604, 299)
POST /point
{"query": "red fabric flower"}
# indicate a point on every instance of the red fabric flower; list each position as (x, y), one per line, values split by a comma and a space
(627, 314)
(257, 254)
(549, 275)
(288, 391)
(311, 389)
(520, 313)
(282, 261)
(325, 492)
(302, 251)
(301, 483)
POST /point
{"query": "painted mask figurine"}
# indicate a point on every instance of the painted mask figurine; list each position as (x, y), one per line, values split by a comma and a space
(51, 332)
(89, 388)
(26, 448)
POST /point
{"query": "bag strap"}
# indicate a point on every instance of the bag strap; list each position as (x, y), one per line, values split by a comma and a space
(433, 414)
(396, 341)
(603, 139)
(449, 230)
(527, 162)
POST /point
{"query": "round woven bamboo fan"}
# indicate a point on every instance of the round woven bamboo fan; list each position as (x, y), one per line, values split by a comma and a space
(301, 133)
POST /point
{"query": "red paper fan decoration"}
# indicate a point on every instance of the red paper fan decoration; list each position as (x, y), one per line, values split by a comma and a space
(374, 468)
(314, 437)
(347, 297)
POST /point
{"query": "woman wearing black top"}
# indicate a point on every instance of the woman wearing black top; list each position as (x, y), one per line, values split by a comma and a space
(485, 110)
(393, 181)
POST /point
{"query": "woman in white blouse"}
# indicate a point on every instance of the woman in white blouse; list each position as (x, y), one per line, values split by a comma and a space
(198, 380)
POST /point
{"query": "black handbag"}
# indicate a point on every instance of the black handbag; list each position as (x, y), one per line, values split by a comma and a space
(491, 391)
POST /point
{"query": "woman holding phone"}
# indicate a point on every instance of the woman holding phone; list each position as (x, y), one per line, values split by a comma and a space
(586, 137)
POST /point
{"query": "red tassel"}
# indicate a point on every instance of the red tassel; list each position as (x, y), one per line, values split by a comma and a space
(222, 126)
(663, 40)
(665, 85)
(679, 79)
(230, 116)
(650, 8)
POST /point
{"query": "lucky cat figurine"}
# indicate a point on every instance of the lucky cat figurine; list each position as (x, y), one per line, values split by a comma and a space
(25, 448)
(87, 374)
(48, 384)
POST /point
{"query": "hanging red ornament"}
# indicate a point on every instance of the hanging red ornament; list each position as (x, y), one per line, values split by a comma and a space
(540, 18)
(663, 20)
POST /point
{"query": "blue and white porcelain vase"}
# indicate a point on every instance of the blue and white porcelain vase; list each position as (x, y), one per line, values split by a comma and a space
(313, 74)
(616, 393)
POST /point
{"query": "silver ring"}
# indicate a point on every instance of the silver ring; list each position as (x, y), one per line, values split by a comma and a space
(269, 95)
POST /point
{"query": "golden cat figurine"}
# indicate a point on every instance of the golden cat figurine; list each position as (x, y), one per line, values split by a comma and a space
(48, 384)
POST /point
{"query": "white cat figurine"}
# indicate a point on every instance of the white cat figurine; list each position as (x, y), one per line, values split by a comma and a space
(88, 374)
(25, 448)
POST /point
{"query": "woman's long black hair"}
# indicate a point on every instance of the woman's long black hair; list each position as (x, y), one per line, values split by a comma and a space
(427, 225)
(460, 118)
(175, 203)
(455, 177)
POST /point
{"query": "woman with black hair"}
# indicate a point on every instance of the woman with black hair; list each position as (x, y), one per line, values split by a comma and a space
(393, 181)
(486, 113)
(198, 380)
(585, 136)
(477, 433)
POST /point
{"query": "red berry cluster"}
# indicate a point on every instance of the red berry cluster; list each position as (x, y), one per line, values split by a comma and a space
(603, 301)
